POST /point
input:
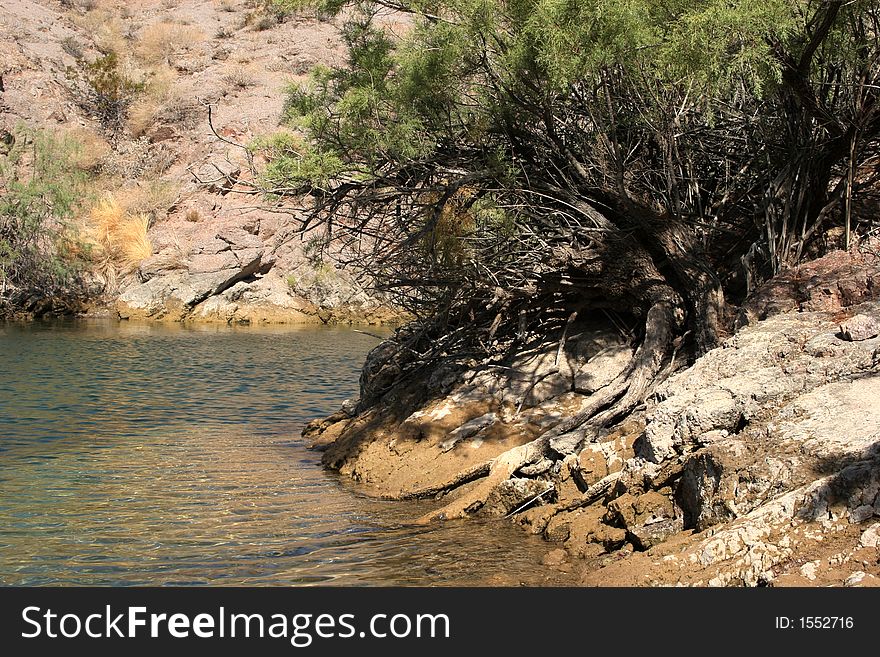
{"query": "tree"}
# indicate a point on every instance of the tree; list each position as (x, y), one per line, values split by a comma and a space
(505, 164)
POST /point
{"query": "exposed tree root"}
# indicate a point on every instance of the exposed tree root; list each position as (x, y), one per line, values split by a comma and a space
(463, 477)
(500, 470)
(610, 404)
(628, 390)
(593, 493)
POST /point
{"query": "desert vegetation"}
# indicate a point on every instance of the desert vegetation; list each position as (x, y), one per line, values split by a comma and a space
(42, 254)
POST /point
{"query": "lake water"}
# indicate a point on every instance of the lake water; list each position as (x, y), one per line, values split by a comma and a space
(138, 454)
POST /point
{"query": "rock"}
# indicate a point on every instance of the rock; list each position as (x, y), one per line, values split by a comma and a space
(752, 375)
(648, 519)
(592, 465)
(555, 557)
(558, 528)
(837, 280)
(567, 488)
(810, 570)
(349, 406)
(652, 508)
(647, 536)
(239, 239)
(328, 435)
(611, 538)
(855, 579)
(536, 519)
(707, 489)
(163, 133)
(176, 293)
(871, 536)
(218, 175)
(861, 513)
(204, 263)
(511, 494)
(860, 327)
(602, 369)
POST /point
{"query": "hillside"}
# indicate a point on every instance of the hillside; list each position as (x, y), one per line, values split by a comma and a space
(212, 249)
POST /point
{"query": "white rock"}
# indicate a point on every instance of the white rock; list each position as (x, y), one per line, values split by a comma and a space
(871, 536)
(854, 579)
(808, 570)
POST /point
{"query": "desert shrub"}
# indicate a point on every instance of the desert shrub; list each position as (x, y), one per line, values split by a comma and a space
(72, 47)
(42, 256)
(161, 102)
(162, 42)
(239, 78)
(104, 90)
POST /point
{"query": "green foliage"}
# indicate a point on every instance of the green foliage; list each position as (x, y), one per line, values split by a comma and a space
(41, 255)
(104, 90)
(457, 79)
(729, 113)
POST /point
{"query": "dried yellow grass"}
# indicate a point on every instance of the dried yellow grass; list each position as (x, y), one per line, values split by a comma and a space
(133, 242)
(162, 42)
(162, 102)
(119, 238)
(105, 28)
(142, 115)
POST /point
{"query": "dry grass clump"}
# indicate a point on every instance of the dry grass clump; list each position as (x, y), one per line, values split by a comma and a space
(144, 110)
(106, 30)
(151, 198)
(118, 237)
(239, 78)
(163, 42)
(162, 102)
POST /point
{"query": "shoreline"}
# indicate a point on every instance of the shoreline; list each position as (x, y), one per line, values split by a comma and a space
(758, 464)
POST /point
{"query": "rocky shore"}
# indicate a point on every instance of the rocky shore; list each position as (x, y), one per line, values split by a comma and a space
(758, 464)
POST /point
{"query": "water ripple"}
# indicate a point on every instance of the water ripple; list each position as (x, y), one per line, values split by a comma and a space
(146, 455)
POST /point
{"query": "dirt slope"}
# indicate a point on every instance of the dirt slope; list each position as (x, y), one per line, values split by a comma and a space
(217, 254)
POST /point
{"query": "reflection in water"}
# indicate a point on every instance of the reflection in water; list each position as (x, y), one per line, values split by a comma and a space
(139, 455)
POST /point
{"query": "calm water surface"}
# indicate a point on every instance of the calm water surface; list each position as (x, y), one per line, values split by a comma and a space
(143, 455)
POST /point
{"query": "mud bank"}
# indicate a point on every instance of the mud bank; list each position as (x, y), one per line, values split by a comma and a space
(757, 464)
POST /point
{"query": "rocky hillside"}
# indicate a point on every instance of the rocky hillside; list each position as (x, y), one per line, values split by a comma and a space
(213, 249)
(759, 464)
